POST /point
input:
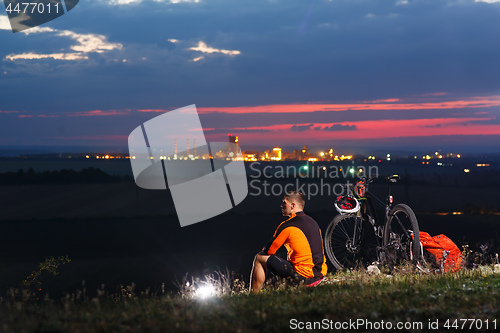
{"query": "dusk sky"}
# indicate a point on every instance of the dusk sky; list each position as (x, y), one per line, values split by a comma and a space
(360, 73)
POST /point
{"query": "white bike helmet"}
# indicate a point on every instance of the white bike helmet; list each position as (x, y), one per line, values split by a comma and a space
(346, 204)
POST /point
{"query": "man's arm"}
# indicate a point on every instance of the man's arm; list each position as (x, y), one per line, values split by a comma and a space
(276, 242)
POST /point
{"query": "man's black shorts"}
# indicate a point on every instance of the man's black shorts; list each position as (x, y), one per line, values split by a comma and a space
(283, 268)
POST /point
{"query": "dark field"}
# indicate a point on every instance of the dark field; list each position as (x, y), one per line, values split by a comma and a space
(116, 233)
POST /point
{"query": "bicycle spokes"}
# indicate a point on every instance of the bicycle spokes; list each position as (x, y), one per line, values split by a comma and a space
(401, 238)
(350, 241)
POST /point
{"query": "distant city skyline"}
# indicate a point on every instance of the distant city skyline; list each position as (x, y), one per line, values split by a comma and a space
(269, 153)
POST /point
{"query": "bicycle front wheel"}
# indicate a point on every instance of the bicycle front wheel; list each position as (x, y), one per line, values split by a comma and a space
(350, 241)
(402, 238)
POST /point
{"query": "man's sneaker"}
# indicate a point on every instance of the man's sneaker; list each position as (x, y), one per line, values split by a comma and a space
(315, 283)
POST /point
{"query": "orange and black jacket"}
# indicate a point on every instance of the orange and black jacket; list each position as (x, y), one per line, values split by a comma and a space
(302, 238)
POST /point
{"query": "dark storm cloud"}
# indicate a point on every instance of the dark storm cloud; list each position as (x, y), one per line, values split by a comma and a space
(340, 127)
(489, 121)
(334, 127)
(301, 128)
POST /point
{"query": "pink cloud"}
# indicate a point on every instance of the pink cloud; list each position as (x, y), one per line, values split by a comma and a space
(475, 102)
(98, 113)
(153, 110)
(377, 129)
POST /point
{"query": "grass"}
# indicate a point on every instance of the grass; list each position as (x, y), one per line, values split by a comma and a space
(343, 296)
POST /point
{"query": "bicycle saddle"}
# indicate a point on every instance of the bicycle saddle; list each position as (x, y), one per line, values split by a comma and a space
(393, 178)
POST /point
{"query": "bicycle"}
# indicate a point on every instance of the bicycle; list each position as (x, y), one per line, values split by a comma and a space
(358, 237)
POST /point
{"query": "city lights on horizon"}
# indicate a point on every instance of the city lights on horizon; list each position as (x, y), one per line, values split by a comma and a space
(232, 151)
(277, 154)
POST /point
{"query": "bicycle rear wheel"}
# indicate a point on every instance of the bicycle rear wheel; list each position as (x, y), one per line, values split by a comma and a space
(350, 241)
(402, 238)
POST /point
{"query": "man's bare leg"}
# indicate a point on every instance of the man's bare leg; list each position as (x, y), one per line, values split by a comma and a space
(258, 275)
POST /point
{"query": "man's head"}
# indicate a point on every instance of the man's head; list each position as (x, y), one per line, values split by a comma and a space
(293, 202)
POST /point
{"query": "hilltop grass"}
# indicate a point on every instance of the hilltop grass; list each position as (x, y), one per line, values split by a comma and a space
(352, 295)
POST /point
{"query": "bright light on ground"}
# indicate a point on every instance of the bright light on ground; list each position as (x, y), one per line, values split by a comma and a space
(205, 291)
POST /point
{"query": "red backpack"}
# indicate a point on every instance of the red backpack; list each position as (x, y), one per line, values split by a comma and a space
(445, 252)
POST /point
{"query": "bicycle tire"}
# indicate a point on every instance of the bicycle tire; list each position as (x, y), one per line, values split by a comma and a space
(399, 245)
(340, 250)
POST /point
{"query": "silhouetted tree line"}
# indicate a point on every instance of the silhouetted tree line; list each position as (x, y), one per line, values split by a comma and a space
(63, 176)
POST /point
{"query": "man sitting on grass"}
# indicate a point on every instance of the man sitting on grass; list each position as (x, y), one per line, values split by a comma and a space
(302, 238)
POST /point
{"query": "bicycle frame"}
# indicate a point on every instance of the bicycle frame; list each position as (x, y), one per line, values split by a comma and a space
(368, 213)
